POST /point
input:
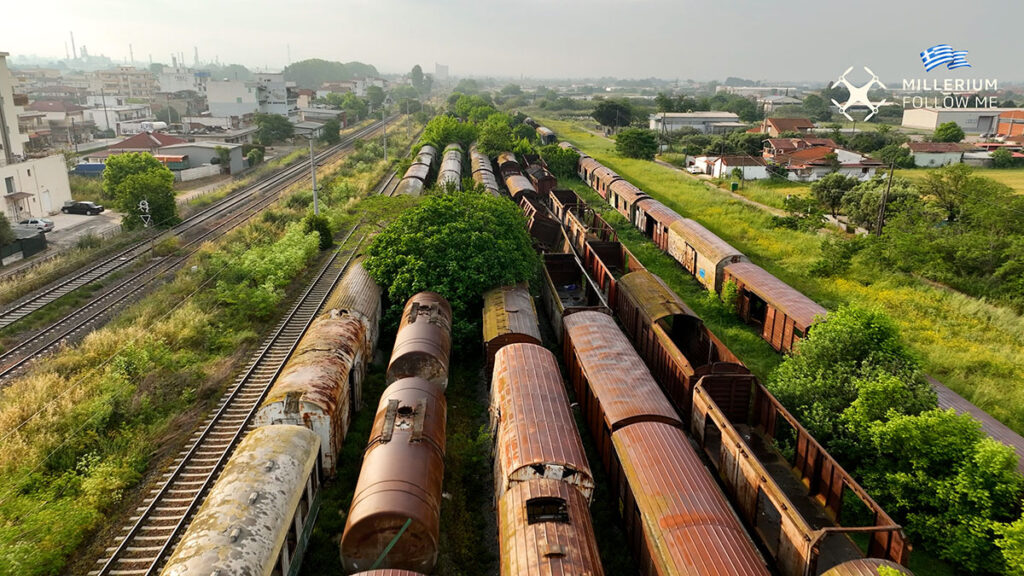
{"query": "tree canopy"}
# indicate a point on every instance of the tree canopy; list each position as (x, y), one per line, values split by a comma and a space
(273, 128)
(495, 135)
(561, 161)
(637, 143)
(314, 72)
(948, 132)
(331, 131)
(6, 233)
(613, 113)
(136, 178)
(458, 244)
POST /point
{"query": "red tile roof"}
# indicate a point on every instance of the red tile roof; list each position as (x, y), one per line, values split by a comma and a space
(53, 106)
(1015, 114)
(742, 161)
(790, 124)
(935, 147)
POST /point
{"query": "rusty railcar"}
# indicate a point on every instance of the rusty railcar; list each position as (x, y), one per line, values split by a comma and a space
(489, 182)
(542, 179)
(676, 518)
(611, 383)
(582, 223)
(671, 338)
(410, 187)
(259, 515)
(358, 294)
(320, 385)
(545, 230)
(780, 312)
(534, 432)
(519, 186)
(602, 178)
(654, 220)
(701, 252)
(560, 201)
(567, 290)
(607, 262)
(428, 151)
(424, 340)
(546, 135)
(509, 317)
(799, 523)
(866, 567)
(389, 572)
(399, 488)
(586, 169)
(418, 171)
(545, 529)
(623, 197)
(569, 146)
(451, 167)
(508, 165)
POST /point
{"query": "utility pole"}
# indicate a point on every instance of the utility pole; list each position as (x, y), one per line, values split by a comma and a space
(312, 171)
(384, 126)
(885, 198)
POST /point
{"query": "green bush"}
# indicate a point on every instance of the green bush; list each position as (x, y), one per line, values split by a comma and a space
(322, 226)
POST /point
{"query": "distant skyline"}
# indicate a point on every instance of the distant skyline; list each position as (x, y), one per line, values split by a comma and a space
(798, 40)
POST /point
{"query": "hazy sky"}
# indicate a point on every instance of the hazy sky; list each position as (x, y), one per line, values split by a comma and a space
(812, 40)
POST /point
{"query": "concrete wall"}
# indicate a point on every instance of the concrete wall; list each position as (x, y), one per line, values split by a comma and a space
(231, 98)
(9, 131)
(46, 179)
(937, 159)
(203, 154)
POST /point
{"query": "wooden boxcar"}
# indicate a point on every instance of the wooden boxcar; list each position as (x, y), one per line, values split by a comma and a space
(508, 165)
(424, 341)
(612, 385)
(543, 180)
(677, 520)
(567, 290)
(534, 431)
(559, 201)
(701, 252)
(607, 262)
(623, 197)
(654, 220)
(317, 386)
(399, 486)
(269, 494)
(509, 317)
(546, 135)
(780, 312)
(544, 529)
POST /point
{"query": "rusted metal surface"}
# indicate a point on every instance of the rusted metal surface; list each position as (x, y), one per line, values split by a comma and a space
(508, 165)
(583, 224)
(602, 178)
(318, 385)
(423, 158)
(518, 185)
(701, 252)
(558, 544)
(654, 220)
(546, 135)
(400, 481)
(489, 182)
(509, 317)
(424, 340)
(569, 146)
(244, 522)
(676, 517)
(543, 180)
(586, 169)
(559, 202)
(534, 431)
(410, 187)
(478, 160)
(545, 230)
(357, 294)
(388, 573)
(866, 567)
(418, 171)
(653, 297)
(568, 289)
(623, 196)
(607, 262)
(429, 150)
(781, 312)
(611, 382)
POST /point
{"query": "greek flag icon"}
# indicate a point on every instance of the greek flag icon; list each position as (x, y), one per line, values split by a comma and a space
(944, 54)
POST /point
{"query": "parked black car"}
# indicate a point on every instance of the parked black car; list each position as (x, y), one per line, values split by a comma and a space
(82, 208)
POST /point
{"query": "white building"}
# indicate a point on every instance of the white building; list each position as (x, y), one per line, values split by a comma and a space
(111, 117)
(752, 167)
(267, 94)
(929, 154)
(12, 141)
(972, 120)
(712, 122)
(34, 188)
(182, 79)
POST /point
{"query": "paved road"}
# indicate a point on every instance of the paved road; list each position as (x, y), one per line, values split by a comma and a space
(69, 228)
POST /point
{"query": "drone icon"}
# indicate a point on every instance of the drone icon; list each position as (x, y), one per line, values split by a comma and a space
(859, 94)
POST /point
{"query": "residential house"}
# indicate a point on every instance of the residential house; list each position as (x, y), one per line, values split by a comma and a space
(752, 167)
(769, 104)
(266, 94)
(707, 122)
(775, 127)
(181, 79)
(200, 153)
(129, 81)
(12, 141)
(774, 147)
(34, 188)
(335, 88)
(810, 164)
(929, 154)
(66, 122)
(113, 117)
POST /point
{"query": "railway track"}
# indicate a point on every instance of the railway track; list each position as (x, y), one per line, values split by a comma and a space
(40, 298)
(213, 223)
(154, 531)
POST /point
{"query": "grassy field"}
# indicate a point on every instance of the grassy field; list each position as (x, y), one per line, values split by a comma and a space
(1012, 177)
(974, 347)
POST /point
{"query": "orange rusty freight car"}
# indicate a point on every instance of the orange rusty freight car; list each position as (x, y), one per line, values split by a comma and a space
(424, 340)
(654, 219)
(780, 312)
(534, 432)
(399, 486)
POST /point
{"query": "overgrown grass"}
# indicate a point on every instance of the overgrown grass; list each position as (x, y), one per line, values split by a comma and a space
(972, 346)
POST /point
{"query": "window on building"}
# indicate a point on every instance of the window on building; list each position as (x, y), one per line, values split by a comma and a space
(9, 181)
(238, 100)
(546, 510)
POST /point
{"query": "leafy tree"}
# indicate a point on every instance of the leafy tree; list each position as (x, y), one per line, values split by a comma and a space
(156, 188)
(331, 131)
(375, 96)
(830, 189)
(948, 132)
(121, 166)
(613, 113)
(664, 103)
(495, 135)
(315, 71)
(896, 155)
(255, 156)
(1002, 159)
(273, 128)
(443, 130)
(862, 202)
(837, 253)
(1011, 543)
(947, 187)
(525, 132)
(637, 143)
(561, 161)
(817, 108)
(460, 245)
(802, 214)
(223, 155)
(523, 146)
(511, 90)
(322, 226)
(467, 86)
(6, 233)
(416, 76)
(168, 114)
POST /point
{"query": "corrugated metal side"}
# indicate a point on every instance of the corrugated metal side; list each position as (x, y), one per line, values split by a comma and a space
(546, 548)
(510, 309)
(507, 162)
(257, 494)
(689, 527)
(410, 187)
(704, 241)
(777, 293)
(614, 372)
(357, 293)
(865, 567)
(653, 297)
(535, 428)
(418, 171)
